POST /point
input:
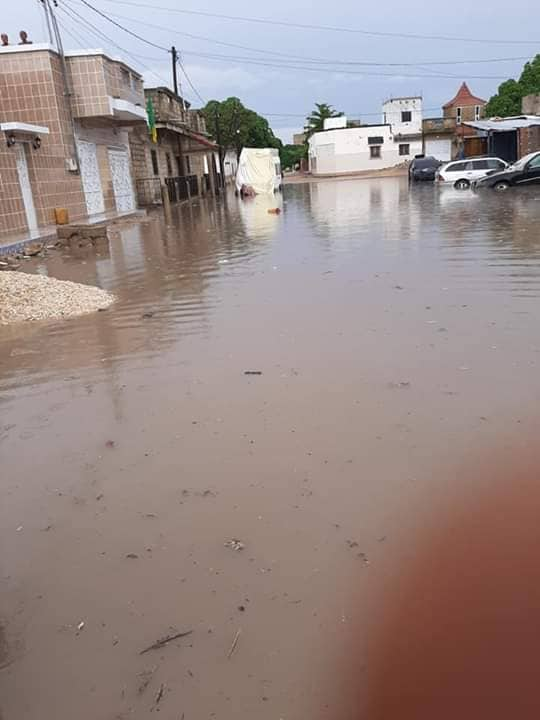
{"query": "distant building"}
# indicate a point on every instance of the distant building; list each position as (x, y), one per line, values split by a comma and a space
(509, 138)
(348, 151)
(405, 114)
(184, 158)
(531, 105)
(299, 138)
(335, 123)
(466, 107)
(448, 137)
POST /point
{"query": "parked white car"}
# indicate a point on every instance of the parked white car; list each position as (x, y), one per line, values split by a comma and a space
(462, 173)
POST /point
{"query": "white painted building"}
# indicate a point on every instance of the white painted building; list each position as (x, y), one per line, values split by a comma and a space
(370, 147)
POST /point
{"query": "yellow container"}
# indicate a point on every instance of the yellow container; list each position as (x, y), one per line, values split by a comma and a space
(61, 216)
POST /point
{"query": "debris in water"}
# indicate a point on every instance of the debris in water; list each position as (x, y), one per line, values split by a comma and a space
(234, 644)
(80, 625)
(147, 315)
(110, 443)
(252, 372)
(146, 677)
(132, 556)
(160, 693)
(235, 544)
(164, 641)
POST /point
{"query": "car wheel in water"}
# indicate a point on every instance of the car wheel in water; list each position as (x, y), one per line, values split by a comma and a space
(501, 186)
(462, 185)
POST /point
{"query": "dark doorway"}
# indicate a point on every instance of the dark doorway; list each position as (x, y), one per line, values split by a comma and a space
(504, 145)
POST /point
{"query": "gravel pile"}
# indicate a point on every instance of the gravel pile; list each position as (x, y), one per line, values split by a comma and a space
(36, 297)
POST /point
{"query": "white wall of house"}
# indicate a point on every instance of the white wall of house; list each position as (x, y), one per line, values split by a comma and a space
(404, 115)
(230, 165)
(440, 148)
(352, 150)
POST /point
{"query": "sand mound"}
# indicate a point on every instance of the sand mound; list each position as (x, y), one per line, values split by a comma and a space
(26, 297)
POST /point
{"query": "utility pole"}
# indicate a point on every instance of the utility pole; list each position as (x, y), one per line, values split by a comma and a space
(174, 54)
(47, 20)
(220, 150)
(68, 92)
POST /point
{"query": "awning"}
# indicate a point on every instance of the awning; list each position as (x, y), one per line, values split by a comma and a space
(505, 125)
(19, 128)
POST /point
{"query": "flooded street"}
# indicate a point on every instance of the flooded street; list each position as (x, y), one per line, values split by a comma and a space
(300, 383)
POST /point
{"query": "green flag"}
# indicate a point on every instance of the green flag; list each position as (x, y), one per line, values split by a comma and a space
(151, 120)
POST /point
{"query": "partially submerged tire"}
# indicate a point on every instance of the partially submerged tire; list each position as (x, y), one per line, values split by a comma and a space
(501, 186)
(462, 184)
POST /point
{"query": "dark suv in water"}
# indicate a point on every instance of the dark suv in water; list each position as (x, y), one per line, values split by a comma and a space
(423, 168)
(524, 172)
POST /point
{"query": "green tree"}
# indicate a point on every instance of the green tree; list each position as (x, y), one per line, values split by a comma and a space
(315, 120)
(290, 155)
(233, 125)
(508, 99)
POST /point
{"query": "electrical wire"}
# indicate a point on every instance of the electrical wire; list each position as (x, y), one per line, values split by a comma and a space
(325, 61)
(310, 26)
(81, 21)
(192, 86)
(118, 25)
(84, 2)
(333, 71)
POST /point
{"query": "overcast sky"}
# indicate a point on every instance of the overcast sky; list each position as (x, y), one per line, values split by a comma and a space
(356, 90)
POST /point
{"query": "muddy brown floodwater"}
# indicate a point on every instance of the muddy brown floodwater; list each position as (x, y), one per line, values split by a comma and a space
(396, 338)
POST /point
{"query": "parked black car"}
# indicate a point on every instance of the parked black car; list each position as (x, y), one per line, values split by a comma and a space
(524, 172)
(423, 168)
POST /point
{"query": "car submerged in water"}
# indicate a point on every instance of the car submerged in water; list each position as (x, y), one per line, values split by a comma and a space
(423, 168)
(523, 173)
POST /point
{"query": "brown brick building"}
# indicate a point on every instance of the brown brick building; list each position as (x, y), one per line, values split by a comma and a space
(466, 107)
(65, 136)
(183, 148)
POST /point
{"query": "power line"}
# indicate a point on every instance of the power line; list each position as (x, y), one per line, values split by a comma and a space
(81, 21)
(340, 71)
(330, 28)
(139, 37)
(327, 61)
(192, 86)
(118, 25)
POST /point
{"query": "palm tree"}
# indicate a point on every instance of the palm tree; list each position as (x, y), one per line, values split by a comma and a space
(315, 121)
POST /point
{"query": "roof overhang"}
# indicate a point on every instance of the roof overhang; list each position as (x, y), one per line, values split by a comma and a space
(505, 125)
(25, 130)
(125, 110)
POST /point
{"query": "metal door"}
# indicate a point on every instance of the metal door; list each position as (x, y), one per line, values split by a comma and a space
(26, 188)
(121, 180)
(91, 180)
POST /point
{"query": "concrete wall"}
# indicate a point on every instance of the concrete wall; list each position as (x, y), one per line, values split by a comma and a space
(531, 105)
(340, 152)
(95, 78)
(105, 138)
(392, 114)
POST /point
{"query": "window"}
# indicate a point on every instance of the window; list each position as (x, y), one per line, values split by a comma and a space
(155, 166)
(375, 152)
(459, 115)
(125, 77)
(458, 167)
(406, 116)
(535, 163)
(188, 164)
(480, 165)
(375, 140)
(404, 149)
(494, 164)
(169, 164)
(477, 112)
